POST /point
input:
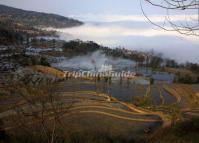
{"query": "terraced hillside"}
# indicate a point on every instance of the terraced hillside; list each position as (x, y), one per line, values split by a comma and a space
(80, 110)
(81, 106)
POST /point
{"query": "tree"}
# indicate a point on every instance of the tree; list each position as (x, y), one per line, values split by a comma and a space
(171, 63)
(189, 22)
(41, 111)
(175, 114)
(194, 68)
(44, 61)
(156, 62)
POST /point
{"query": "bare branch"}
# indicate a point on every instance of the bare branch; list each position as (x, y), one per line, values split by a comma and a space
(187, 26)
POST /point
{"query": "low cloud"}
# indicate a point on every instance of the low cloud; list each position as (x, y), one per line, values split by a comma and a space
(134, 18)
(137, 36)
(93, 61)
(92, 30)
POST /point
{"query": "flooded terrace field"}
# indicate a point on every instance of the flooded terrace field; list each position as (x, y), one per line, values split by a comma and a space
(123, 90)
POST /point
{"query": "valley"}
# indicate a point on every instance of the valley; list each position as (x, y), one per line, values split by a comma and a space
(40, 102)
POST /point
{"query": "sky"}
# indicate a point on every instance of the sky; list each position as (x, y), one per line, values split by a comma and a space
(67, 7)
(119, 23)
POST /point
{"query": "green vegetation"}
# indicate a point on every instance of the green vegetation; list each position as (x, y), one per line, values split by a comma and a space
(97, 137)
(151, 81)
(175, 113)
(142, 59)
(171, 63)
(156, 62)
(182, 132)
(78, 137)
(41, 103)
(33, 19)
(78, 47)
(45, 43)
(142, 100)
(17, 25)
(183, 74)
(28, 60)
(12, 33)
(74, 48)
(187, 79)
(1, 93)
(44, 62)
(8, 36)
(194, 68)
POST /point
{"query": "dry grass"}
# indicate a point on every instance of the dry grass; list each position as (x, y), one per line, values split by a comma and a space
(181, 132)
(173, 92)
(180, 71)
(197, 94)
(183, 91)
(49, 70)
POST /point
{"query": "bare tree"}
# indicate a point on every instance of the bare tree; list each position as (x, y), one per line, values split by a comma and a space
(187, 22)
(41, 110)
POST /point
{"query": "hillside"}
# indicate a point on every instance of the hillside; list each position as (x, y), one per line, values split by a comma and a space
(31, 18)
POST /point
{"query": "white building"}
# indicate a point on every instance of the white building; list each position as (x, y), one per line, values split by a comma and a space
(106, 68)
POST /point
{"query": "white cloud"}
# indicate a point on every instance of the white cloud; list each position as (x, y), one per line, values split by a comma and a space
(172, 44)
(138, 18)
(105, 31)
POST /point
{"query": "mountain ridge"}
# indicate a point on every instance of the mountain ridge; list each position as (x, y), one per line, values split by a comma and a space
(33, 18)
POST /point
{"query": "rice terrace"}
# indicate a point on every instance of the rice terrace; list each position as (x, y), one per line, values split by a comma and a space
(104, 72)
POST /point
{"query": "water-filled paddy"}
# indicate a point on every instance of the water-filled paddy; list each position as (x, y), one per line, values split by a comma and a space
(169, 99)
(155, 94)
(122, 90)
(195, 87)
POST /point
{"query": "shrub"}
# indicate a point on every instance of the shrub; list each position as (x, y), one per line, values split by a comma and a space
(142, 100)
(44, 62)
(187, 79)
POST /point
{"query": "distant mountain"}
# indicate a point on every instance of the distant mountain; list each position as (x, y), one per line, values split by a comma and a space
(31, 18)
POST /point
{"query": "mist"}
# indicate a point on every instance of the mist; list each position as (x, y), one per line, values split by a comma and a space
(139, 36)
(93, 61)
